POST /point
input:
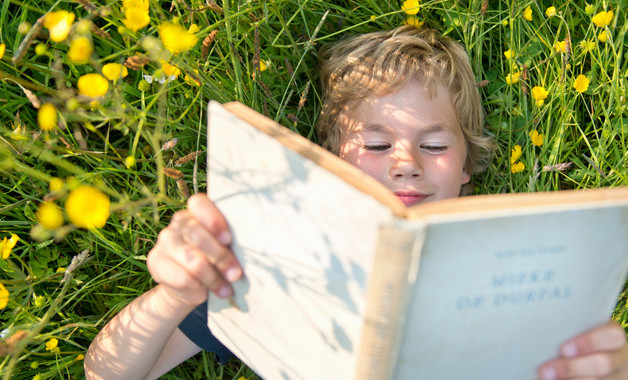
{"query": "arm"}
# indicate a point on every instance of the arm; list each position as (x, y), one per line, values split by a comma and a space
(601, 353)
(190, 259)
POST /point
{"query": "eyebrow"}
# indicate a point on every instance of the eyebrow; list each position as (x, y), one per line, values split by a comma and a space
(376, 127)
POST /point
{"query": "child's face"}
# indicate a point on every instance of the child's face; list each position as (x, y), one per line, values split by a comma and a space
(411, 143)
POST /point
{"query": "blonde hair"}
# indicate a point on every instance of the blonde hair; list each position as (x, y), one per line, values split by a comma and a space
(382, 62)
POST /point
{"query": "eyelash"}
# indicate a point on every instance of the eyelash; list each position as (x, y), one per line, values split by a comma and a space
(376, 147)
(435, 148)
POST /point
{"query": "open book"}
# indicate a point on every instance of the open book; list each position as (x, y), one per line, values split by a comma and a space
(342, 281)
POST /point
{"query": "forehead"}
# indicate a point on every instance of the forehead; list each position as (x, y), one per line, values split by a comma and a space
(412, 105)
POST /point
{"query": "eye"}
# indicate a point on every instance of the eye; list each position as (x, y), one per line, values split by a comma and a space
(434, 148)
(376, 147)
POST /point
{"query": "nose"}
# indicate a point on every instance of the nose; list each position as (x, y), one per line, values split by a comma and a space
(405, 163)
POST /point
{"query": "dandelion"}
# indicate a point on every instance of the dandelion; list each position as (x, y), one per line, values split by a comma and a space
(2, 48)
(47, 116)
(4, 297)
(114, 71)
(581, 83)
(170, 70)
(587, 45)
(93, 85)
(87, 207)
(411, 7)
(513, 78)
(7, 244)
(56, 184)
(49, 216)
(58, 24)
(508, 54)
(414, 21)
(536, 138)
(603, 36)
(589, 9)
(175, 38)
(550, 12)
(141, 4)
(515, 153)
(560, 46)
(517, 168)
(136, 18)
(52, 344)
(81, 50)
(602, 19)
(539, 94)
(527, 14)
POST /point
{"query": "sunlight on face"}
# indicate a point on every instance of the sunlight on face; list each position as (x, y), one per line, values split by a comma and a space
(410, 142)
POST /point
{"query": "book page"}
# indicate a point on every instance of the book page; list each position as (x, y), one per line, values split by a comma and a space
(305, 239)
(496, 296)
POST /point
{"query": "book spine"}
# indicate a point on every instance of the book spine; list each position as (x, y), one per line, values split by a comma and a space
(394, 270)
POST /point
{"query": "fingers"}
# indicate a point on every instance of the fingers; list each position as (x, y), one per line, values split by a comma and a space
(600, 353)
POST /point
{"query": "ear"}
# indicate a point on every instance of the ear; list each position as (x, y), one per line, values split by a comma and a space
(466, 177)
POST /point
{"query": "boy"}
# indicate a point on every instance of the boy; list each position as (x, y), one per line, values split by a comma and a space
(400, 105)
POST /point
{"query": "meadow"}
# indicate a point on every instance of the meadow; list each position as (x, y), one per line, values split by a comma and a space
(102, 130)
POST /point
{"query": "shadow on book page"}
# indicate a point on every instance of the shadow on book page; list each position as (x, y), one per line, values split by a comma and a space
(305, 240)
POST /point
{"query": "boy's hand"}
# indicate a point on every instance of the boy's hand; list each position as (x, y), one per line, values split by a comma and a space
(192, 257)
(600, 353)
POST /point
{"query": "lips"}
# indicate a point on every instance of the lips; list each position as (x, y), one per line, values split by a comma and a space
(410, 198)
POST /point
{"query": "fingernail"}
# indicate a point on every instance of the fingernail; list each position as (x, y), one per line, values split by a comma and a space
(233, 274)
(225, 292)
(548, 374)
(224, 238)
(569, 350)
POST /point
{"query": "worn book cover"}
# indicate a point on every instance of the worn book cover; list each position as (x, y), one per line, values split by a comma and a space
(342, 281)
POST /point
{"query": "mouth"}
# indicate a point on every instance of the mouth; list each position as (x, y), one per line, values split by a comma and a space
(410, 198)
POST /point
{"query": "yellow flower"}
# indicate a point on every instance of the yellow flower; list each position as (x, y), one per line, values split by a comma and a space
(114, 71)
(129, 162)
(192, 81)
(170, 70)
(81, 50)
(56, 184)
(536, 137)
(515, 153)
(6, 245)
(411, 7)
(539, 94)
(59, 24)
(87, 207)
(4, 297)
(263, 65)
(550, 12)
(603, 36)
(93, 85)
(508, 54)
(517, 168)
(39, 302)
(141, 4)
(135, 18)
(79, 357)
(602, 19)
(587, 45)
(560, 46)
(589, 9)
(47, 117)
(194, 29)
(513, 78)
(49, 215)
(2, 48)
(37, 377)
(581, 84)
(175, 38)
(412, 20)
(527, 14)
(52, 344)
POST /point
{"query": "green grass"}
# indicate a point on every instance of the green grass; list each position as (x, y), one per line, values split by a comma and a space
(585, 142)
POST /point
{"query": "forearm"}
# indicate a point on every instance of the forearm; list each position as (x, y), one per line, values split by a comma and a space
(129, 345)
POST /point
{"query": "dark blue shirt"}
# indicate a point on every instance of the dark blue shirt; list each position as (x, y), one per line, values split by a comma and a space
(194, 326)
